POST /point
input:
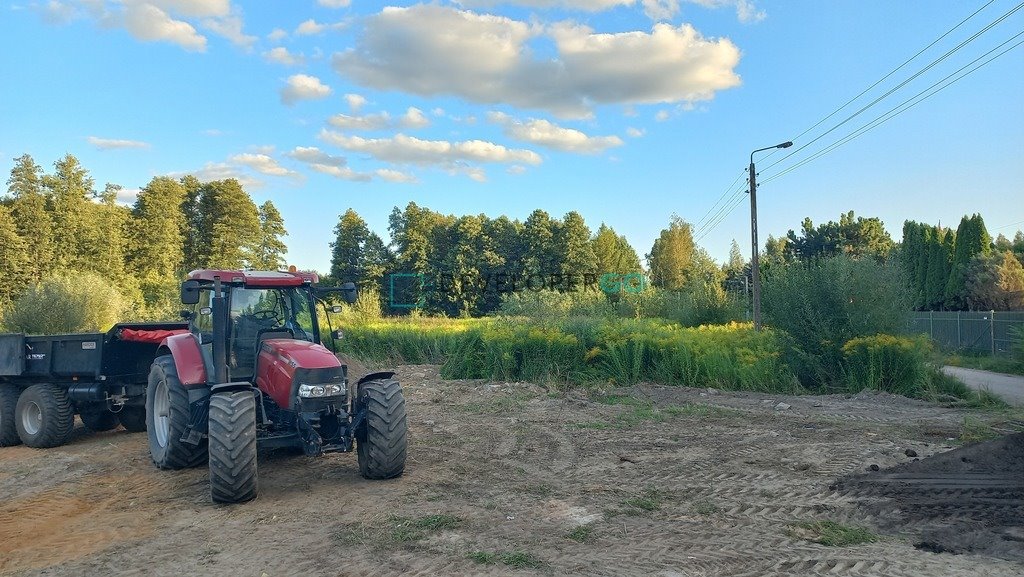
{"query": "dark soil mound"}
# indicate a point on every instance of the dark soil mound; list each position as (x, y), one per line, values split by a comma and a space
(969, 500)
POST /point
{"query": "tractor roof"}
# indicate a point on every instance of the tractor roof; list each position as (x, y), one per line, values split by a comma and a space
(256, 278)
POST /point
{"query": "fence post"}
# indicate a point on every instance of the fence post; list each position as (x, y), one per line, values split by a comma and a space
(958, 330)
(992, 330)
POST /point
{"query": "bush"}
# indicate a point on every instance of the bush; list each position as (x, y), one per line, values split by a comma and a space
(825, 303)
(888, 363)
(548, 303)
(67, 302)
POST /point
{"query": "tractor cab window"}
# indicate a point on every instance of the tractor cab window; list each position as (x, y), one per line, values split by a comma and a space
(282, 312)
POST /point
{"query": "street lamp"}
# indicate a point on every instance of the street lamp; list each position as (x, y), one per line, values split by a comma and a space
(755, 261)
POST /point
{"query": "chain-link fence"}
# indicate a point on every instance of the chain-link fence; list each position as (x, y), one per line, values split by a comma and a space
(981, 331)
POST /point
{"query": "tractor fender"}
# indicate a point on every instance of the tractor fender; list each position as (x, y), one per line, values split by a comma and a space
(377, 375)
(188, 358)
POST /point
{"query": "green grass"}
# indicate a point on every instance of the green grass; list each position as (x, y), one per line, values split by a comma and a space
(974, 430)
(514, 559)
(396, 530)
(581, 534)
(706, 508)
(1006, 365)
(648, 501)
(642, 412)
(832, 534)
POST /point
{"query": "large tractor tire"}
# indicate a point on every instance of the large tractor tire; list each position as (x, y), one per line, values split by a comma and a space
(99, 421)
(44, 416)
(381, 440)
(133, 419)
(167, 412)
(233, 476)
(8, 402)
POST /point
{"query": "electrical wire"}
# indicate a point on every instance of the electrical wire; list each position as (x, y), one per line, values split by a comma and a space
(704, 219)
(930, 65)
(906, 104)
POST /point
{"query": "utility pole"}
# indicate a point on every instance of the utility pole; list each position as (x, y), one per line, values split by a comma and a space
(755, 260)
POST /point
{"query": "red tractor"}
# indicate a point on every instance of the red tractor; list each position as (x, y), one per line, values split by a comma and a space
(252, 372)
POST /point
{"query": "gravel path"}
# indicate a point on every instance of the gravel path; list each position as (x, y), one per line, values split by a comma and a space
(1009, 387)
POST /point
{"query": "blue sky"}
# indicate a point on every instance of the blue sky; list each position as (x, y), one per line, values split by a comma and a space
(624, 110)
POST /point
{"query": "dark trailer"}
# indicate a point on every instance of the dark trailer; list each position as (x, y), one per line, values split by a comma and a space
(46, 380)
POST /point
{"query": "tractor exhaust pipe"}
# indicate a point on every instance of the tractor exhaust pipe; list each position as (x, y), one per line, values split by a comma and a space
(220, 333)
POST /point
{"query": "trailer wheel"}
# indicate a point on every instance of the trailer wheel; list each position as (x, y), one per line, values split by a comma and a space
(167, 412)
(8, 402)
(44, 416)
(233, 477)
(133, 419)
(99, 421)
(381, 440)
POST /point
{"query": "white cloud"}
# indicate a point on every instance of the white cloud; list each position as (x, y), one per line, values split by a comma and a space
(213, 132)
(583, 5)
(550, 135)
(194, 8)
(516, 169)
(662, 115)
(437, 112)
(334, 3)
(312, 27)
(221, 171)
(58, 13)
(313, 155)
(277, 35)
(746, 11)
(114, 144)
(392, 175)
(263, 164)
(634, 132)
(303, 87)
(128, 196)
(661, 9)
(413, 118)
(150, 24)
(355, 102)
(280, 55)
(402, 149)
(487, 59)
(378, 121)
(230, 27)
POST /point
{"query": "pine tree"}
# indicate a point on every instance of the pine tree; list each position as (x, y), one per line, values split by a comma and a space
(229, 226)
(542, 255)
(614, 253)
(347, 258)
(69, 190)
(671, 257)
(14, 260)
(31, 218)
(269, 253)
(971, 239)
(576, 254)
(157, 254)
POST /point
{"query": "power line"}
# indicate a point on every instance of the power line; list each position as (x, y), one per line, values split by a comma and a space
(721, 216)
(906, 104)
(728, 189)
(931, 65)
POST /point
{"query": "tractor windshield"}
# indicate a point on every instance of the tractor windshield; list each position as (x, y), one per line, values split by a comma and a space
(266, 313)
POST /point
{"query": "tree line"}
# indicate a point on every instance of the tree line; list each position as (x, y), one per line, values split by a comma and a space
(58, 222)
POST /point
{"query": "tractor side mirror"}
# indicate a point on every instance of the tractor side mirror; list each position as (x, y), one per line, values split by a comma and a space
(348, 292)
(336, 309)
(190, 292)
(337, 335)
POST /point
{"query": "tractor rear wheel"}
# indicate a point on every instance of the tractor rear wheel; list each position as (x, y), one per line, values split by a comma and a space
(167, 412)
(381, 440)
(99, 421)
(44, 416)
(233, 477)
(133, 419)
(8, 401)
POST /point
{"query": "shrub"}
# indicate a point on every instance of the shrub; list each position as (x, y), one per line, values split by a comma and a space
(825, 303)
(67, 302)
(888, 363)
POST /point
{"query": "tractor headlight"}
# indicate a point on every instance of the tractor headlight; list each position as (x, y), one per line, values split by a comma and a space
(313, 391)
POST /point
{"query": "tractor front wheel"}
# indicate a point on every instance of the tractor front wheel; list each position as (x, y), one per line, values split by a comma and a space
(167, 413)
(381, 440)
(233, 477)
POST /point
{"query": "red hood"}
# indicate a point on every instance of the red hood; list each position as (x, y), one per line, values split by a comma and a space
(302, 354)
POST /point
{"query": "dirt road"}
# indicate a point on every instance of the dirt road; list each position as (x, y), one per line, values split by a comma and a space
(1009, 387)
(508, 479)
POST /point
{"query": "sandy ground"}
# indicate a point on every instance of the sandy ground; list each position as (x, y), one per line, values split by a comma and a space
(1009, 387)
(508, 479)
